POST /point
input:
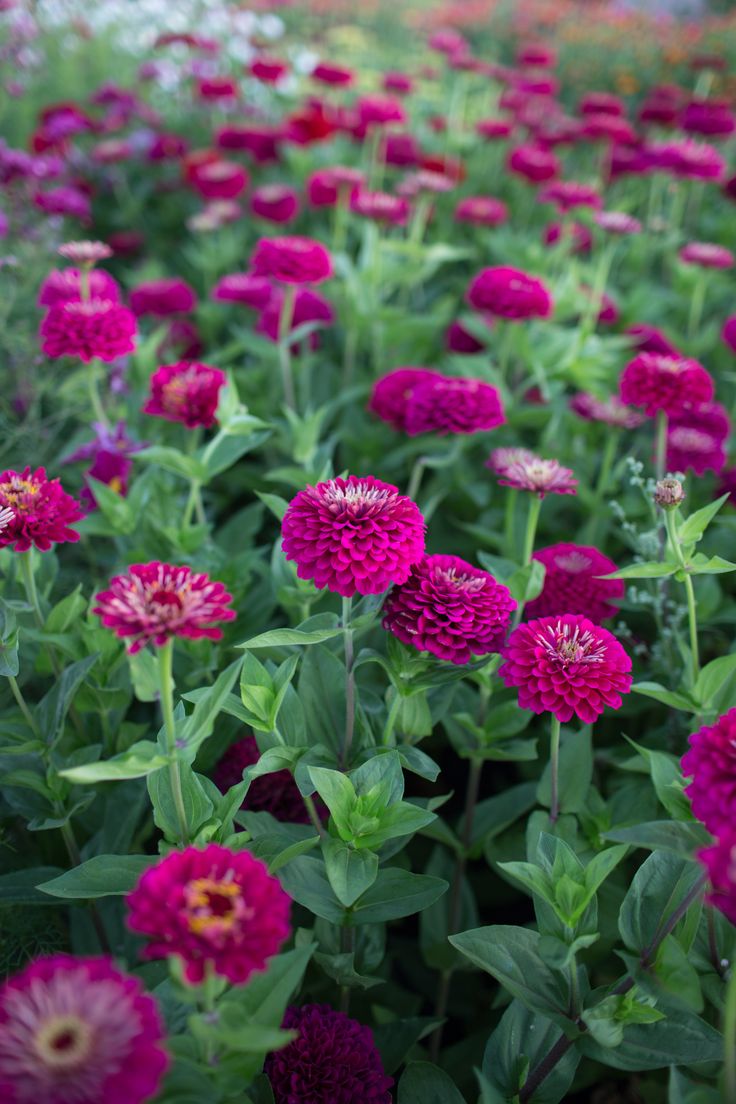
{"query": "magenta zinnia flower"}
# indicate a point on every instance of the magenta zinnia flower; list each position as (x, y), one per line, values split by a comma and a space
(276, 793)
(353, 536)
(78, 1031)
(509, 293)
(157, 601)
(42, 511)
(390, 396)
(706, 255)
(292, 260)
(666, 383)
(481, 211)
(95, 328)
(711, 763)
(64, 285)
(444, 405)
(449, 608)
(533, 473)
(720, 862)
(333, 1060)
(610, 411)
(567, 666)
(573, 583)
(211, 907)
(162, 297)
(186, 392)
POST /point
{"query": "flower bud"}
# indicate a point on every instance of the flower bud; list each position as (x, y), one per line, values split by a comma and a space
(669, 493)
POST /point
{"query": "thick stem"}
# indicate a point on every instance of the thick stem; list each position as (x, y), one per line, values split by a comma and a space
(554, 763)
(166, 684)
(661, 443)
(285, 320)
(349, 683)
(23, 706)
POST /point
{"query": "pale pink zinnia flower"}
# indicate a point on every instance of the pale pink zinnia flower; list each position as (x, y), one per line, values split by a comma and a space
(85, 252)
(540, 476)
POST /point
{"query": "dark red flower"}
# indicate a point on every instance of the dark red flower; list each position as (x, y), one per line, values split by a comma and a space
(186, 392)
(42, 511)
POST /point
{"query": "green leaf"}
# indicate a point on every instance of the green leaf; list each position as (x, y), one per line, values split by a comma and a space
(423, 1083)
(650, 570)
(280, 638)
(305, 880)
(173, 460)
(198, 807)
(200, 723)
(520, 1042)
(101, 876)
(350, 872)
(692, 528)
(712, 678)
(673, 698)
(713, 565)
(397, 893)
(677, 836)
(141, 759)
(53, 708)
(660, 885)
(575, 772)
(682, 1038)
(322, 694)
(67, 612)
(338, 793)
(144, 674)
(20, 887)
(495, 814)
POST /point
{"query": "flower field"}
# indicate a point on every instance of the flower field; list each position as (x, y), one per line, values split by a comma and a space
(367, 582)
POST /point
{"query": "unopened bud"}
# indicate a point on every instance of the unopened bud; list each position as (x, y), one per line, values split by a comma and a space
(669, 493)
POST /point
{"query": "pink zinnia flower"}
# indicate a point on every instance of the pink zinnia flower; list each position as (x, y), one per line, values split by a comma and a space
(691, 160)
(596, 103)
(390, 396)
(532, 473)
(64, 285)
(648, 339)
(568, 194)
(459, 339)
(243, 287)
(509, 293)
(728, 333)
(79, 1031)
(328, 73)
(186, 392)
(65, 200)
(353, 536)
(695, 438)
(219, 179)
(217, 88)
(449, 608)
(332, 1060)
(292, 260)
(481, 211)
(567, 666)
(575, 235)
(381, 207)
(617, 222)
(666, 383)
(162, 297)
(494, 129)
(711, 763)
(501, 459)
(720, 862)
(42, 511)
(95, 328)
(610, 411)
(157, 601)
(706, 255)
(444, 405)
(211, 907)
(275, 202)
(85, 253)
(712, 118)
(309, 306)
(573, 583)
(268, 69)
(326, 187)
(534, 163)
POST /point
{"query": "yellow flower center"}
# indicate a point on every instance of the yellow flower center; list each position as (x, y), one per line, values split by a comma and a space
(214, 908)
(14, 493)
(63, 1042)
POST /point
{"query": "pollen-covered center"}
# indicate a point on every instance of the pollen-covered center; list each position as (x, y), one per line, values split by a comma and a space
(176, 392)
(457, 580)
(19, 494)
(63, 1042)
(357, 501)
(214, 908)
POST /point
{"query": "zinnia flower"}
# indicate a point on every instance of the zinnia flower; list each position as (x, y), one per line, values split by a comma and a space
(449, 608)
(390, 396)
(43, 512)
(481, 211)
(85, 253)
(667, 383)
(276, 793)
(309, 306)
(567, 666)
(275, 202)
(219, 179)
(573, 583)
(211, 907)
(333, 1060)
(381, 207)
(720, 863)
(509, 293)
(292, 260)
(64, 285)
(354, 535)
(444, 405)
(243, 287)
(617, 222)
(711, 763)
(186, 392)
(567, 194)
(533, 163)
(692, 448)
(162, 297)
(706, 255)
(610, 411)
(530, 472)
(157, 601)
(728, 334)
(95, 328)
(326, 187)
(78, 1031)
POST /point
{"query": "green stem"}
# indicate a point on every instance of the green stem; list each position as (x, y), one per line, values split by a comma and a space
(166, 684)
(75, 858)
(29, 585)
(512, 496)
(661, 443)
(347, 946)
(729, 1035)
(313, 815)
(692, 613)
(554, 762)
(505, 345)
(415, 479)
(285, 319)
(575, 1006)
(535, 505)
(696, 304)
(393, 713)
(349, 683)
(94, 393)
(193, 501)
(23, 706)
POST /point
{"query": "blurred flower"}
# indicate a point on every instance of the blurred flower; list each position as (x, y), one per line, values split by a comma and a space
(617, 222)
(217, 88)
(186, 392)
(494, 129)
(95, 328)
(110, 451)
(481, 211)
(707, 255)
(459, 339)
(610, 411)
(381, 207)
(269, 70)
(575, 235)
(572, 583)
(444, 405)
(81, 1030)
(449, 608)
(333, 1060)
(64, 285)
(43, 512)
(326, 186)
(509, 293)
(391, 393)
(667, 383)
(65, 200)
(648, 339)
(212, 908)
(711, 763)
(354, 535)
(220, 179)
(567, 666)
(309, 306)
(527, 472)
(534, 163)
(157, 601)
(720, 863)
(568, 194)
(276, 793)
(243, 287)
(326, 73)
(711, 118)
(398, 82)
(292, 260)
(85, 253)
(275, 202)
(162, 297)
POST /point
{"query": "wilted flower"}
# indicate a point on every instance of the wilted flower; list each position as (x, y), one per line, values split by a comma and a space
(567, 666)
(292, 260)
(333, 1060)
(79, 1030)
(212, 908)
(667, 383)
(186, 392)
(94, 329)
(354, 535)
(573, 583)
(509, 293)
(449, 608)
(43, 512)
(157, 601)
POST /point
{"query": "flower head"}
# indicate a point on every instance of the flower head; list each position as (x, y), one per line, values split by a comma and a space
(720, 862)
(444, 405)
(78, 1031)
(706, 255)
(668, 383)
(309, 306)
(534, 163)
(481, 211)
(275, 202)
(568, 194)
(292, 260)
(186, 392)
(276, 793)
(110, 452)
(533, 473)
(509, 293)
(219, 179)
(669, 493)
(449, 608)
(381, 206)
(567, 666)
(85, 252)
(243, 287)
(711, 764)
(95, 328)
(157, 601)
(211, 907)
(43, 512)
(333, 1060)
(391, 393)
(573, 583)
(610, 411)
(617, 222)
(501, 459)
(353, 536)
(327, 187)
(162, 297)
